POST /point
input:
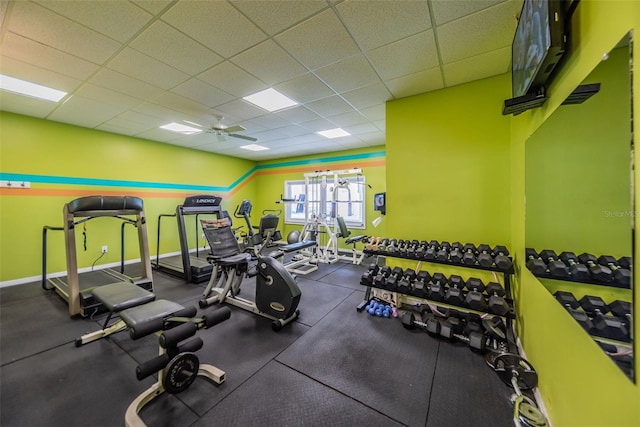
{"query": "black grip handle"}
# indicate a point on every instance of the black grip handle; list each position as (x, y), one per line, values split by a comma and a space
(151, 366)
(173, 336)
(145, 328)
(219, 316)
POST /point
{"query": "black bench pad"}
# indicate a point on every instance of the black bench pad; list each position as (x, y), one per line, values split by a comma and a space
(355, 239)
(292, 247)
(121, 296)
(151, 311)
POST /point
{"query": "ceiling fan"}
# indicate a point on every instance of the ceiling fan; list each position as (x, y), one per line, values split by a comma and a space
(221, 129)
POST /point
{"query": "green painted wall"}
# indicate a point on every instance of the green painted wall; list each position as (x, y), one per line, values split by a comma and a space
(56, 153)
(580, 386)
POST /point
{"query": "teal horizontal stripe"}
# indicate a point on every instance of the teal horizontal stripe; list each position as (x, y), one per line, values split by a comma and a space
(323, 160)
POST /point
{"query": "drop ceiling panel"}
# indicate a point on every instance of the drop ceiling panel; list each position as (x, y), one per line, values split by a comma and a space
(153, 6)
(116, 19)
(376, 23)
(305, 88)
(25, 50)
(44, 26)
(176, 102)
(273, 16)
(25, 105)
(166, 115)
(349, 74)
(34, 74)
(124, 84)
(367, 96)
(348, 119)
(361, 128)
(318, 125)
(297, 114)
(269, 62)
(399, 58)
(160, 135)
(232, 79)
(203, 93)
(119, 124)
(150, 122)
(107, 96)
(84, 112)
(413, 84)
(481, 32)
(447, 10)
(328, 106)
(269, 121)
(478, 67)
(292, 131)
(241, 109)
(215, 24)
(375, 112)
(174, 48)
(143, 67)
(318, 41)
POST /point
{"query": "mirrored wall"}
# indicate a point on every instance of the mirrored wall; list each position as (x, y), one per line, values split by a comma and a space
(579, 205)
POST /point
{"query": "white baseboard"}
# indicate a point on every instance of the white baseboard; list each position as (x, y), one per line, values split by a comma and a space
(38, 278)
(536, 392)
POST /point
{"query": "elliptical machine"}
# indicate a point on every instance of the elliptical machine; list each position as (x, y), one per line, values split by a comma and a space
(277, 293)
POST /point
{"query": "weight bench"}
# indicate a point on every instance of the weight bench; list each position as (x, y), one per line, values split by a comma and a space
(177, 364)
(301, 263)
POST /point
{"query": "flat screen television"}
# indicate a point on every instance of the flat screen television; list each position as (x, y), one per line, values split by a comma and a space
(538, 45)
(380, 203)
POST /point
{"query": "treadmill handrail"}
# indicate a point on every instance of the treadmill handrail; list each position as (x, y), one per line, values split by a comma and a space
(44, 253)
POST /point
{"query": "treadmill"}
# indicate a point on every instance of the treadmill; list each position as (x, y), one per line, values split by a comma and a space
(187, 266)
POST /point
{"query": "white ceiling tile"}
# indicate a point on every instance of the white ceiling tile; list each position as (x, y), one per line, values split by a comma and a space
(478, 33)
(413, 84)
(270, 121)
(34, 74)
(292, 131)
(143, 67)
(268, 135)
(373, 138)
(26, 105)
(145, 120)
(121, 125)
(232, 79)
(124, 84)
(349, 74)
(379, 22)
(361, 129)
(157, 134)
(241, 109)
(107, 96)
(297, 114)
(119, 20)
(329, 106)
(305, 88)
(4, 5)
(44, 26)
(406, 56)
(447, 10)
(202, 92)
(380, 124)
(375, 112)
(84, 112)
(274, 16)
(153, 6)
(161, 112)
(172, 47)
(367, 96)
(318, 125)
(25, 50)
(478, 67)
(318, 41)
(269, 62)
(215, 24)
(176, 102)
(348, 119)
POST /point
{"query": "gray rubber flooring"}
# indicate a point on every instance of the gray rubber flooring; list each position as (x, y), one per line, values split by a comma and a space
(332, 366)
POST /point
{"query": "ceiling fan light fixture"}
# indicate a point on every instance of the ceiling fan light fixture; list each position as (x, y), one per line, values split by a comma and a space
(270, 100)
(34, 90)
(180, 128)
(334, 133)
(254, 147)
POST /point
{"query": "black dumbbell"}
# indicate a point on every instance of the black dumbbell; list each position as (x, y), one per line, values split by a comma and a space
(475, 299)
(622, 276)
(392, 246)
(592, 305)
(437, 288)
(578, 272)
(412, 248)
(455, 255)
(497, 303)
(432, 250)
(369, 275)
(382, 246)
(501, 257)
(454, 294)
(566, 299)
(443, 252)
(405, 285)
(421, 249)
(556, 267)
(449, 329)
(582, 318)
(534, 263)
(401, 246)
(421, 284)
(611, 327)
(381, 278)
(393, 279)
(469, 254)
(620, 308)
(598, 272)
(433, 326)
(484, 255)
(625, 261)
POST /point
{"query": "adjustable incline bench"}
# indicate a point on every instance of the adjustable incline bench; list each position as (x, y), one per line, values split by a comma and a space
(177, 364)
(301, 263)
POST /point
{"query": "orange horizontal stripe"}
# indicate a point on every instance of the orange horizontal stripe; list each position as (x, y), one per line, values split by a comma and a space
(360, 165)
(56, 192)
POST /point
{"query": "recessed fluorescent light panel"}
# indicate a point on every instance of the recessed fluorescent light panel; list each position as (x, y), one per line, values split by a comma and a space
(177, 127)
(334, 133)
(254, 147)
(270, 100)
(22, 87)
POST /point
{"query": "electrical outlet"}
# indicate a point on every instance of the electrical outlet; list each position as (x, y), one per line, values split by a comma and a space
(105, 249)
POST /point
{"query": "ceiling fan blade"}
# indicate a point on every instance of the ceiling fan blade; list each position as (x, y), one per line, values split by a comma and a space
(234, 129)
(248, 138)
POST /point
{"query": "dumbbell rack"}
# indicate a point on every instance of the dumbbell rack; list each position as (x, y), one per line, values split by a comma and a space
(506, 274)
(590, 281)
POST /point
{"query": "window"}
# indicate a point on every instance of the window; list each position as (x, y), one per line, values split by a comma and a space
(321, 198)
